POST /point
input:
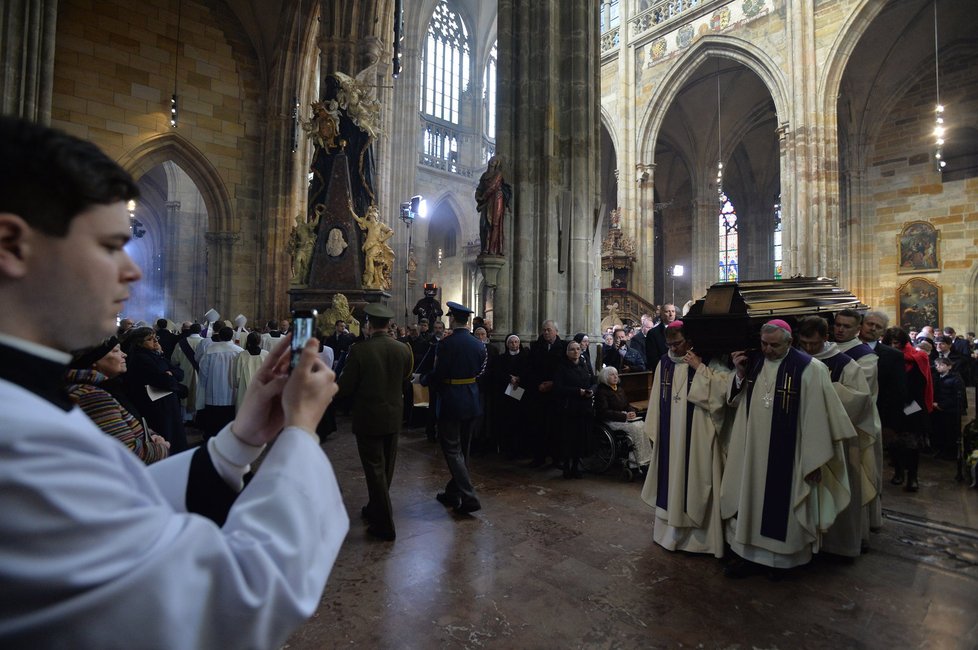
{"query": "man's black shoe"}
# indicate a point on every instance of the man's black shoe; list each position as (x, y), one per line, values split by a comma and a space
(379, 534)
(466, 508)
(447, 500)
(740, 568)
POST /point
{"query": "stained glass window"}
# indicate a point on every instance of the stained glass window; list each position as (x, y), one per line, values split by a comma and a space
(445, 65)
(777, 240)
(728, 240)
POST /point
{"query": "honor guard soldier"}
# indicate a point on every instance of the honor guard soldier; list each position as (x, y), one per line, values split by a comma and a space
(460, 359)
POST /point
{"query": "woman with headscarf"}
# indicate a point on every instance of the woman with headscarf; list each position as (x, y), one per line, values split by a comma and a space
(572, 389)
(912, 434)
(245, 365)
(507, 372)
(87, 375)
(585, 343)
(612, 407)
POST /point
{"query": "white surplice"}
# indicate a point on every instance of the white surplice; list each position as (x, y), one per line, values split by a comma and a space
(216, 380)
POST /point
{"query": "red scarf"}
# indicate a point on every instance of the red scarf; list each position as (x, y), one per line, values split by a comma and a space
(911, 357)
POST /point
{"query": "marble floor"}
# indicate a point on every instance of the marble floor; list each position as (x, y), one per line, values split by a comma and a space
(551, 563)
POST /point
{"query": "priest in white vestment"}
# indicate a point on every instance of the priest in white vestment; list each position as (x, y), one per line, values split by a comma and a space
(850, 532)
(185, 357)
(785, 475)
(216, 392)
(684, 421)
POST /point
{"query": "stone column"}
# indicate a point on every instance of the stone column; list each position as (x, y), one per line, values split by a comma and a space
(171, 260)
(27, 35)
(548, 135)
(641, 226)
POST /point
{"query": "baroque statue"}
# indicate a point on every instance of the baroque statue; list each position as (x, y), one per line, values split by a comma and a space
(302, 240)
(492, 198)
(378, 256)
(338, 310)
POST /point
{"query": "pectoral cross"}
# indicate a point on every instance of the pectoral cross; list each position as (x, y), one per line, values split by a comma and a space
(786, 392)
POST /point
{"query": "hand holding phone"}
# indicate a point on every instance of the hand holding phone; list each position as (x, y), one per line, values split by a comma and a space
(303, 327)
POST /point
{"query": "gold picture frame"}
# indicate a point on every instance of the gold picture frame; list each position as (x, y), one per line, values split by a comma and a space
(918, 248)
(919, 302)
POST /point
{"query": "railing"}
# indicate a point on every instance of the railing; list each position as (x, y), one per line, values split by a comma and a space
(631, 306)
(664, 11)
(610, 40)
(440, 147)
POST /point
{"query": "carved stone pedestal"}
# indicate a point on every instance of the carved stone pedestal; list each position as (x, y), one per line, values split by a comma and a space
(321, 299)
(490, 266)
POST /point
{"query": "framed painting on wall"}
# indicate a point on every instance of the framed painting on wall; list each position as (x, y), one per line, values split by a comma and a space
(917, 248)
(919, 302)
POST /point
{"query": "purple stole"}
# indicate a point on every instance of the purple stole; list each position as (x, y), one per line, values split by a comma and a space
(665, 418)
(836, 364)
(784, 439)
(857, 352)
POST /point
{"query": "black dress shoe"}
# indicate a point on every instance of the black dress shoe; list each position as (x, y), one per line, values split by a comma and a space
(897, 479)
(380, 534)
(447, 500)
(911, 486)
(466, 508)
(740, 568)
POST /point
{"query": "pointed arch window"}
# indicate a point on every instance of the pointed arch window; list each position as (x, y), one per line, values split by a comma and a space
(778, 256)
(445, 65)
(489, 93)
(728, 240)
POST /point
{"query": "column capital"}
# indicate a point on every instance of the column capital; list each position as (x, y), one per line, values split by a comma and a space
(644, 172)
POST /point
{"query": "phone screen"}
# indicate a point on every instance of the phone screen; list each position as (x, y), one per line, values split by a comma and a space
(303, 327)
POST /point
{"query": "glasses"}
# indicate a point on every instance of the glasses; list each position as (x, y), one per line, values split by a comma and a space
(675, 344)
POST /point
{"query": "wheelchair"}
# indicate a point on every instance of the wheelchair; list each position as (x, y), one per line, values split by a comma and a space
(609, 448)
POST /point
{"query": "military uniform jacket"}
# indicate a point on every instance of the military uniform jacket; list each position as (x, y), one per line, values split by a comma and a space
(373, 375)
(460, 357)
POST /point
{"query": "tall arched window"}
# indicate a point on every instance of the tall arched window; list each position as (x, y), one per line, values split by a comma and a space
(445, 65)
(489, 93)
(777, 240)
(728, 240)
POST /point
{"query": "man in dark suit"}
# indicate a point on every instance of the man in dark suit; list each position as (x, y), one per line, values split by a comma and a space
(655, 338)
(373, 376)
(545, 353)
(168, 340)
(459, 361)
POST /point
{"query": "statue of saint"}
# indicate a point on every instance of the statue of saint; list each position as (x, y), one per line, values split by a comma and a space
(492, 198)
(378, 256)
(339, 310)
(302, 240)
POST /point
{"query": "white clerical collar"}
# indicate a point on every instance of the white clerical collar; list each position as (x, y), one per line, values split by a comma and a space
(36, 349)
(829, 349)
(676, 359)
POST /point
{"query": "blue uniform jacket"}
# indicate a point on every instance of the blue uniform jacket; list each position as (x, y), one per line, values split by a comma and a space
(460, 356)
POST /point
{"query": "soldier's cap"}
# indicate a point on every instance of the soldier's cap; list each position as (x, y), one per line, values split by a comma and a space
(457, 308)
(378, 310)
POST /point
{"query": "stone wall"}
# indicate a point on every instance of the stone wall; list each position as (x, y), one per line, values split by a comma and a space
(113, 77)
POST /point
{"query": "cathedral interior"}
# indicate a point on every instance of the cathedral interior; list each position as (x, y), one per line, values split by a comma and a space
(654, 148)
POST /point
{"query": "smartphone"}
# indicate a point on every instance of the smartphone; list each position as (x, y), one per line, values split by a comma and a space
(303, 327)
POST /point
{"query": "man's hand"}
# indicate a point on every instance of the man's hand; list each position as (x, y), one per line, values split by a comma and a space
(276, 399)
(739, 359)
(693, 359)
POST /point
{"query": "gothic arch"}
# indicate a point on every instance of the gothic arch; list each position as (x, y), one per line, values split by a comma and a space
(747, 54)
(608, 122)
(838, 59)
(170, 146)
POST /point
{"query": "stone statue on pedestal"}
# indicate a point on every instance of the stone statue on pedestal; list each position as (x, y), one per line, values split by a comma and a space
(492, 198)
(301, 243)
(339, 310)
(378, 256)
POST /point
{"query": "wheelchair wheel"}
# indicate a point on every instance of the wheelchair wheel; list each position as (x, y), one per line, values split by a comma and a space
(602, 453)
(626, 475)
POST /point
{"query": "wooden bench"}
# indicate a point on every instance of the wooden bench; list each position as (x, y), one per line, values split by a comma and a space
(637, 386)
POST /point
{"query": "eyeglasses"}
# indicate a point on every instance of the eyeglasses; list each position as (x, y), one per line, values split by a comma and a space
(675, 344)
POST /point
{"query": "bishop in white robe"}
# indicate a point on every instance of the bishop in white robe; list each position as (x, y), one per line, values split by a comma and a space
(785, 476)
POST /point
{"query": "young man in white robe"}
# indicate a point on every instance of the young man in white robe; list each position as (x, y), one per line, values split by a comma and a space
(98, 550)
(785, 477)
(216, 389)
(849, 535)
(684, 422)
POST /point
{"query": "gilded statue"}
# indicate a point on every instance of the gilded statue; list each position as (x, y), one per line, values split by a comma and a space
(339, 310)
(324, 127)
(302, 240)
(378, 256)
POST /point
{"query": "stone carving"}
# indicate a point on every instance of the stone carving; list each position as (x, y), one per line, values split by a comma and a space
(612, 319)
(302, 240)
(338, 310)
(355, 99)
(335, 244)
(324, 127)
(378, 256)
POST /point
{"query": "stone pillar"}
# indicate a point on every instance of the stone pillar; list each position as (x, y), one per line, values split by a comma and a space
(27, 35)
(640, 225)
(548, 133)
(171, 259)
(220, 269)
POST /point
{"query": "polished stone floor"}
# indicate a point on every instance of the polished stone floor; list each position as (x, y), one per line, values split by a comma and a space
(551, 563)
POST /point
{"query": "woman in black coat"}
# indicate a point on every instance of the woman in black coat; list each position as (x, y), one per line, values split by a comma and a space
(149, 368)
(572, 389)
(509, 369)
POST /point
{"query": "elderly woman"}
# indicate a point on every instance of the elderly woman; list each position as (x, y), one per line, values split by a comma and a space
(572, 388)
(87, 375)
(507, 372)
(611, 407)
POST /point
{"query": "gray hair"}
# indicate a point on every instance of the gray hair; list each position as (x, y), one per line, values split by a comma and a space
(552, 323)
(880, 315)
(767, 328)
(604, 373)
